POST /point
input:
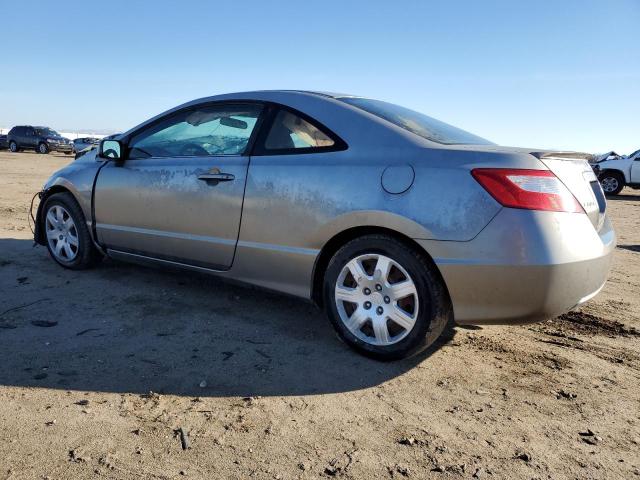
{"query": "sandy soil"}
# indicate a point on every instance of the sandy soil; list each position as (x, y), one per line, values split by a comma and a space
(111, 372)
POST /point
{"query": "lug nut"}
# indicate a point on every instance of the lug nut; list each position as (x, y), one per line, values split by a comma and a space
(378, 287)
(367, 305)
(367, 291)
(387, 300)
(379, 310)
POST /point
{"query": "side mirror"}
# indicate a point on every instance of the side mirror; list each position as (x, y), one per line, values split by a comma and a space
(110, 149)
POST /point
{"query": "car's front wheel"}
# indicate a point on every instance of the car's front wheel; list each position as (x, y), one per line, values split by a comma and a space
(43, 148)
(384, 298)
(68, 238)
(612, 182)
(13, 146)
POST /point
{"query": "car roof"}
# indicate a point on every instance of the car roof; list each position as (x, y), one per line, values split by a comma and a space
(316, 92)
(267, 95)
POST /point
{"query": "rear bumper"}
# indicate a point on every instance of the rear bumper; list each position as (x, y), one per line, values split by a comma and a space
(525, 266)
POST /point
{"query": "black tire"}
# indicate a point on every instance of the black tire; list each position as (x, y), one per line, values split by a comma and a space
(87, 255)
(13, 147)
(435, 306)
(609, 178)
(43, 148)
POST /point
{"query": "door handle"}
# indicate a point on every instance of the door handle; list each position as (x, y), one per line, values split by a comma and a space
(220, 177)
(216, 175)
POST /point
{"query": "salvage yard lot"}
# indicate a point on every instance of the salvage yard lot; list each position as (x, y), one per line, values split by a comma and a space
(101, 370)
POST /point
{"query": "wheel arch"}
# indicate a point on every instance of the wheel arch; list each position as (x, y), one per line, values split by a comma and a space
(341, 238)
(39, 235)
(42, 142)
(614, 170)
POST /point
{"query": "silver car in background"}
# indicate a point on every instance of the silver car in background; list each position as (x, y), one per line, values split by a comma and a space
(391, 221)
(79, 144)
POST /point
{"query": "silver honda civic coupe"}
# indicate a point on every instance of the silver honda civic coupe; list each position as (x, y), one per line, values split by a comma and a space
(391, 221)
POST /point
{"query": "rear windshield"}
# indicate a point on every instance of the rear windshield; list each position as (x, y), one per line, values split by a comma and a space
(416, 122)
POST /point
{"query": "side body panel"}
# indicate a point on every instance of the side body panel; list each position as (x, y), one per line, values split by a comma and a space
(30, 139)
(622, 165)
(635, 171)
(160, 208)
(78, 178)
(21, 137)
(294, 204)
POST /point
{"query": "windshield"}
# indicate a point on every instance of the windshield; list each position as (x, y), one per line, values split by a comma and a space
(417, 122)
(46, 132)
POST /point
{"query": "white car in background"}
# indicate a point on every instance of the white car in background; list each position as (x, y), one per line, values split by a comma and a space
(617, 172)
(80, 144)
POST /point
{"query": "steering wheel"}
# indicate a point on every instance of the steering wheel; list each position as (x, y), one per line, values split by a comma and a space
(193, 149)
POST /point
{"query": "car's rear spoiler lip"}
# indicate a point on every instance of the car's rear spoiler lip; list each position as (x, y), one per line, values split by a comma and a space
(569, 155)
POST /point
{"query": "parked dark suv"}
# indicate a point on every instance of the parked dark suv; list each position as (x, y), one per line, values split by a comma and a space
(40, 139)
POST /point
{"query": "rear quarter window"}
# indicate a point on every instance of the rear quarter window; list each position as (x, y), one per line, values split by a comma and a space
(292, 132)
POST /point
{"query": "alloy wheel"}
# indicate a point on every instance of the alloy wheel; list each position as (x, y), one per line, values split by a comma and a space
(376, 299)
(609, 184)
(62, 234)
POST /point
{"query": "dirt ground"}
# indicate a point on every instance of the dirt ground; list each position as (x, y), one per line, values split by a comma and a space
(130, 372)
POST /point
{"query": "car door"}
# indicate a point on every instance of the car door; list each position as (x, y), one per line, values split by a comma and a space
(635, 169)
(20, 136)
(14, 135)
(29, 138)
(178, 194)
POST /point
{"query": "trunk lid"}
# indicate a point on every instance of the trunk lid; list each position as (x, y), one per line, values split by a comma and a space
(574, 171)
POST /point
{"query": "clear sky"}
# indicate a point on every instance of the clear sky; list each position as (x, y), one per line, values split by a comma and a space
(544, 73)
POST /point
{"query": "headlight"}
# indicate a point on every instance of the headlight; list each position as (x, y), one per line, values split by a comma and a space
(51, 140)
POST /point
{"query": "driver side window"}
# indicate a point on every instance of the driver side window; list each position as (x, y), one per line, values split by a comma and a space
(201, 131)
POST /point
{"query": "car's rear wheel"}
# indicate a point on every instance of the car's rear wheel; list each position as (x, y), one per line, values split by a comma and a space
(612, 182)
(13, 146)
(68, 238)
(43, 148)
(384, 298)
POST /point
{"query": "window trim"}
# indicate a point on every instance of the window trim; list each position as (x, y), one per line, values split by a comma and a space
(273, 110)
(220, 103)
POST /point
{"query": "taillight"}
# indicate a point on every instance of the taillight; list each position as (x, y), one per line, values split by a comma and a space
(528, 189)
